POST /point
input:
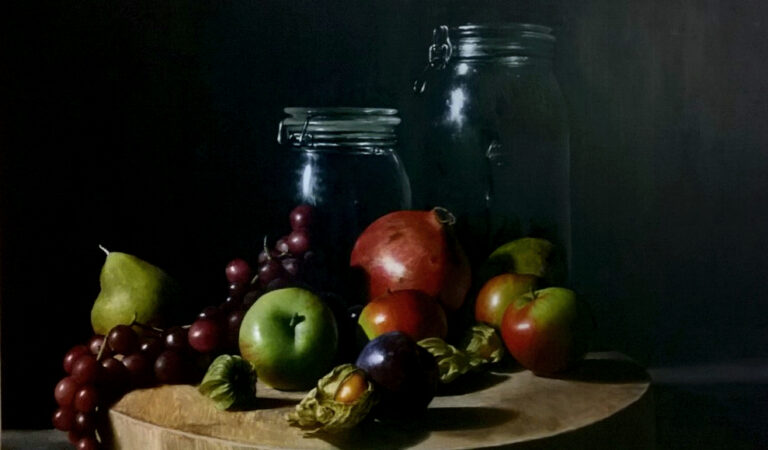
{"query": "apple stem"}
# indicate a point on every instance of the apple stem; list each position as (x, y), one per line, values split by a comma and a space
(104, 249)
(295, 320)
(533, 293)
(444, 216)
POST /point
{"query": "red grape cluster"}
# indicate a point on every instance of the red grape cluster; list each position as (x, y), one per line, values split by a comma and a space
(100, 372)
(108, 366)
(217, 328)
(287, 262)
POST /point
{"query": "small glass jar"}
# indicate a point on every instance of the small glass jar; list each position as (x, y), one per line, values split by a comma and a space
(495, 149)
(343, 161)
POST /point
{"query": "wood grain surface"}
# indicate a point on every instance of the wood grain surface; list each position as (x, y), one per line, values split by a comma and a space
(603, 402)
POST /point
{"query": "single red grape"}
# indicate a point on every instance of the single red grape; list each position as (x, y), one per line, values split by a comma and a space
(265, 255)
(302, 217)
(84, 422)
(229, 304)
(63, 419)
(114, 377)
(139, 369)
(234, 320)
(170, 367)
(292, 266)
(73, 436)
(251, 297)
(72, 355)
(65, 390)
(122, 339)
(151, 347)
(95, 344)
(209, 312)
(269, 271)
(238, 271)
(87, 443)
(204, 335)
(298, 242)
(85, 370)
(282, 245)
(86, 398)
(238, 290)
(176, 339)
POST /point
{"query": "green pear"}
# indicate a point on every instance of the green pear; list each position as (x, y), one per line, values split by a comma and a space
(526, 255)
(131, 290)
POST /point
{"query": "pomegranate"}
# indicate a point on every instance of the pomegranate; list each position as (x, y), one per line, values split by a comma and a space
(414, 250)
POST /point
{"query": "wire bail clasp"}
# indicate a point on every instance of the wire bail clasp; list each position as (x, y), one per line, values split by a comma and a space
(303, 139)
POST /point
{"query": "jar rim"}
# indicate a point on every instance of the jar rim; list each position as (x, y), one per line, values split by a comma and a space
(471, 29)
(339, 126)
(488, 40)
(297, 111)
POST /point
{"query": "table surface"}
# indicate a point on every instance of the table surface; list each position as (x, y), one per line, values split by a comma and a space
(506, 407)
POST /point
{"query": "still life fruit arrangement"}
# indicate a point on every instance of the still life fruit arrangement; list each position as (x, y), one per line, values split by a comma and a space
(427, 318)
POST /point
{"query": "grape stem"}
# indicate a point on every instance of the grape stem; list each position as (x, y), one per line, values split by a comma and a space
(266, 249)
(101, 349)
(103, 249)
(144, 325)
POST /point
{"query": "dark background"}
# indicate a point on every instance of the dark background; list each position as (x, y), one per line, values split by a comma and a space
(148, 127)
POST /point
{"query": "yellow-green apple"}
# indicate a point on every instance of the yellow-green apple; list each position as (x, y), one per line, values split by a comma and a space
(498, 293)
(291, 338)
(410, 311)
(528, 255)
(546, 330)
(413, 250)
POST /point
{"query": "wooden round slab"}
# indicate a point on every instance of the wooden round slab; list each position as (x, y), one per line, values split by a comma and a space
(603, 403)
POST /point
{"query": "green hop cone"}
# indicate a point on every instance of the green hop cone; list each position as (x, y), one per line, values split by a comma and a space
(483, 345)
(341, 400)
(230, 382)
(451, 362)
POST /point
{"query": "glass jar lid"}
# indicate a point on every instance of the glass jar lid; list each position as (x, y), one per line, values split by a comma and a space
(338, 127)
(475, 41)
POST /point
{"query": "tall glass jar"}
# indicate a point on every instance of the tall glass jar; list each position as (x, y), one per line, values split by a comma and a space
(495, 151)
(343, 161)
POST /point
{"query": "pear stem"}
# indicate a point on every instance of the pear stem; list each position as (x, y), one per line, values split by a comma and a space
(144, 325)
(148, 327)
(104, 249)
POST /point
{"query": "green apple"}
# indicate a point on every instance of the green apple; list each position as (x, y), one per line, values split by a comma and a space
(291, 338)
(131, 289)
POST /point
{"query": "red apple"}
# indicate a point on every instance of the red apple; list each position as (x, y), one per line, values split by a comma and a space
(546, 330)
(498, 293)
(409, 311)
(413, 250)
